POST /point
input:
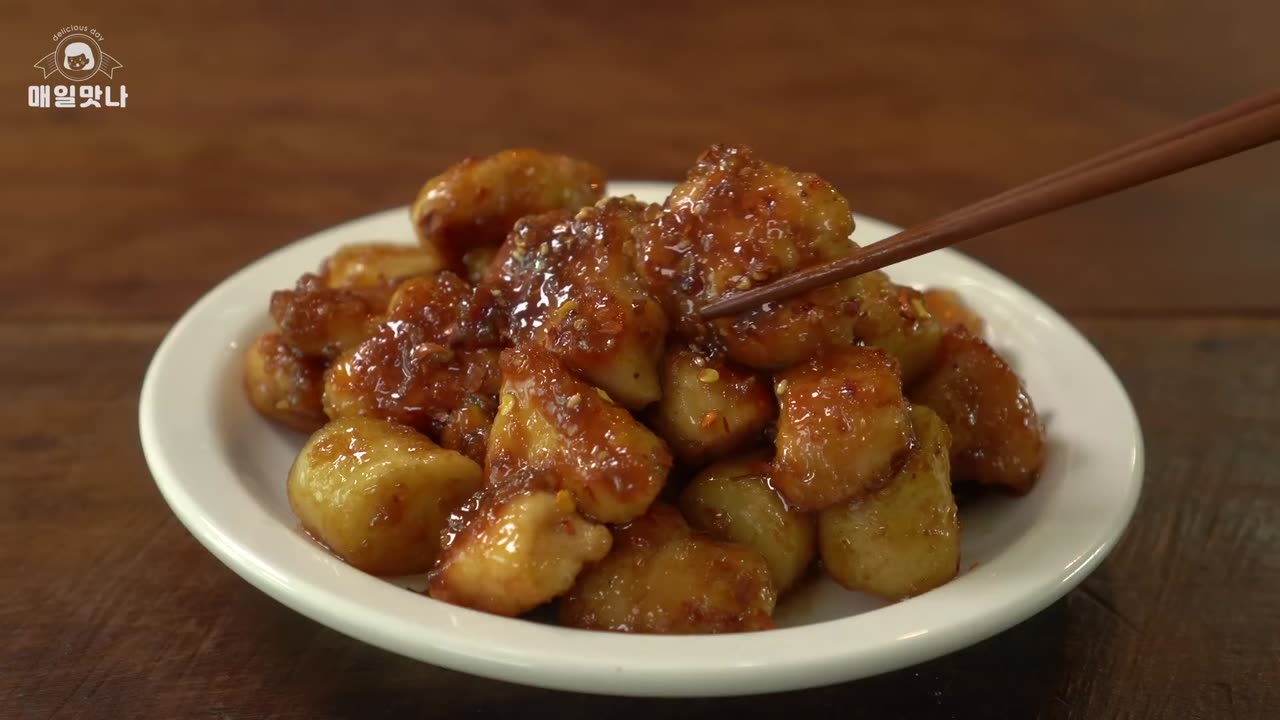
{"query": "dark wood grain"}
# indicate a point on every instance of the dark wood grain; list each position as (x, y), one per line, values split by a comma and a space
(249, 127)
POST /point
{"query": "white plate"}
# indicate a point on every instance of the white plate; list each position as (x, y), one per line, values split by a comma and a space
(222, 469)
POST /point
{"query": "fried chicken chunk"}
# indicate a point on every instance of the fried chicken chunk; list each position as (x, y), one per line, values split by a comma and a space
(411, 370)
(569, 285)
(378, 493)
(737, 222)
(895, 319)
(732, 500)
(952, 311)
(377, 265)
(283, 384)
(563, 429)
(902, 539)
(661, 577)
(320, 320)
(515, 548)
(710, 407)
(474, 204)
(842, 428)
(997, 438)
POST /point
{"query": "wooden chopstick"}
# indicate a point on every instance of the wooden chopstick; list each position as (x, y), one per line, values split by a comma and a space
(1230, 130)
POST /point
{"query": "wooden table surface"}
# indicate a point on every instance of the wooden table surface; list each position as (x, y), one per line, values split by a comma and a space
(246, 129)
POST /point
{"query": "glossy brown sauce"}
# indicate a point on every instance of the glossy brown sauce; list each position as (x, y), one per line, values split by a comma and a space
(546, 348)
(737, 222)
(601, 452)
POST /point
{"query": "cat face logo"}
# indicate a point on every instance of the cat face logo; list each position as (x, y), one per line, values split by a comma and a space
(78, 57)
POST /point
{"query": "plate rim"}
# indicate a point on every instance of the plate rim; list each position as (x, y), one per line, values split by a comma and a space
(687, 675)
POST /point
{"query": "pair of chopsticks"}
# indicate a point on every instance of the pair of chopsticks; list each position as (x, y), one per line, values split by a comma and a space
(1230, 130)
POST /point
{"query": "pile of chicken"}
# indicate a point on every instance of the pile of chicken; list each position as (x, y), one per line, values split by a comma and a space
(528, 406)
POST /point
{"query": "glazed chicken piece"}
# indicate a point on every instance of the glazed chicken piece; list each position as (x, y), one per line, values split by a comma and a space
(377, 265)
(732, 500)
(563, 429)
(902, 539)
(661, 577)
(952, 311)
(843, 427)
(283, 384)
(570, 286)
(737, 222)
(895, 318)
(411, 370)
(997, 438)
(710, 407)
(514, 548)
(378, 494)
(474, 204)
(320, 320)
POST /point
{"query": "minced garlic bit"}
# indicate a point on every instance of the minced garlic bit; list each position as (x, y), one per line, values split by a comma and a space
(565, 503)
(508, 401)
(574, 400)
(604, 395)
(565, 308)
(919, 307)
(744, 283)
(781, 387)
(709, 375)
(432, 351)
